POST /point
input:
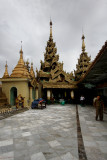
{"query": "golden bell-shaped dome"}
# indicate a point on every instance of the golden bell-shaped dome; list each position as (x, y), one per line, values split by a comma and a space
(20, 71)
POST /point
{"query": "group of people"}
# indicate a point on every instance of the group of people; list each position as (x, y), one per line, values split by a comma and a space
(98, 104)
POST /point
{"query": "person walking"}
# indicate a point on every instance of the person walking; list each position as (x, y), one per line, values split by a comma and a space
(99, 105)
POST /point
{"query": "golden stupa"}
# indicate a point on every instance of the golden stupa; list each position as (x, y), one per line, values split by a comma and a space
(20, 70)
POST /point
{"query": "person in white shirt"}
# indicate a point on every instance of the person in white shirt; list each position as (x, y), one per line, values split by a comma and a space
(82, 99)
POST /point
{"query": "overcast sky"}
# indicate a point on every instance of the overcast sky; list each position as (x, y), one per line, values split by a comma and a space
(28, 21)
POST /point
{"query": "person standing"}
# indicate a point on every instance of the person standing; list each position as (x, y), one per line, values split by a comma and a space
(99, 105)
(82, 100)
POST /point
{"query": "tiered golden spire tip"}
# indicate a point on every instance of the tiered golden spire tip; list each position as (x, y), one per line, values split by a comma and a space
(32, 71)
(50, 28)
(6, 75)
(83, 43)
(21, 61)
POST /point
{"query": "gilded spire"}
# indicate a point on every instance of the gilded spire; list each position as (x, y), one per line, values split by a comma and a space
(21, 61)
(83, 62)
(20, 71)
(32, 71)
(50, 29)
(6, 71)
(83, 43)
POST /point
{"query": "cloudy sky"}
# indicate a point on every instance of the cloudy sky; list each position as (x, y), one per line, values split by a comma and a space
(28, 21)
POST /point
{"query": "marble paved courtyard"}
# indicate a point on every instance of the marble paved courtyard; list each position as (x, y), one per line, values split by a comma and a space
(51, 134)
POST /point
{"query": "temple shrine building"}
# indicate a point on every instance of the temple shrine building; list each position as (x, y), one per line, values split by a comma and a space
(51, 81)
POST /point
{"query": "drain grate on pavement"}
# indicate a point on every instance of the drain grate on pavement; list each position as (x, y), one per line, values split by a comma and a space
(81, 149)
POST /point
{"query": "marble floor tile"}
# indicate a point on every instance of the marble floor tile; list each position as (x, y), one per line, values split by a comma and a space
(54, 143)
(38, 156)
(55, 158)
(103, 149)
(102, 143)
(7, 156)
(26, 134)
(6, 142)
(68, 156)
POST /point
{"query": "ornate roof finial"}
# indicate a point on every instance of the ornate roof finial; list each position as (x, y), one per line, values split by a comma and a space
(50, 28)
(6, 71)
(50, 21)
(32, 71)
(21, 54)
(6, 64)
(83, 43)
(21, 48)
(21, 44)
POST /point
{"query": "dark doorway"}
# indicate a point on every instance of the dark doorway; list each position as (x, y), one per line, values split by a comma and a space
(61, 93)
(13, 95)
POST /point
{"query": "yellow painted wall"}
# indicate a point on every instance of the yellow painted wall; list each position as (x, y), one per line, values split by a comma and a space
(22, 88)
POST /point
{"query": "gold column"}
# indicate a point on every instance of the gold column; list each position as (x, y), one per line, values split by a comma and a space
(72, 94)
(31, 95)
(48, 94)
(36, 96)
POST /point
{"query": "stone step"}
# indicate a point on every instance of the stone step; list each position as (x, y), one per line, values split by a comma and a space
(3, 99)
(2, 103)
(2, 94)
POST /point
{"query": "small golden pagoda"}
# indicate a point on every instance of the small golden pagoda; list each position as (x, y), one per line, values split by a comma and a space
(83, 62)
(21, 82)
(52, 77)
(20, 70)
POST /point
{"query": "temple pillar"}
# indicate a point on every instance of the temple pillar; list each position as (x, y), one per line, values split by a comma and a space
(40, 91)
(30, 96)
(36, 96)
(51, 93)
(72, 94)
(48, 94)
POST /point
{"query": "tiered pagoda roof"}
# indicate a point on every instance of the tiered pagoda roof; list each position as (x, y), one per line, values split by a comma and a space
(51, 70)
(83, 62)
